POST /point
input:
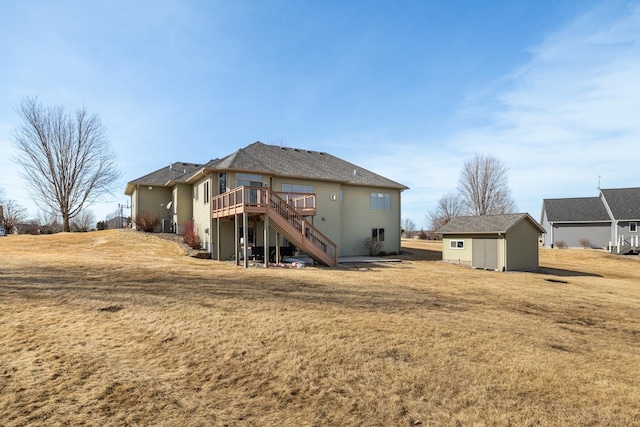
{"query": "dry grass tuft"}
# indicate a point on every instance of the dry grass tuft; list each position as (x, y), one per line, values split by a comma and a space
(120, 328)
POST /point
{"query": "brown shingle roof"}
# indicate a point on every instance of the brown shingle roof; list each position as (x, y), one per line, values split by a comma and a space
(274, 160)
(177, 172)
(299, 163)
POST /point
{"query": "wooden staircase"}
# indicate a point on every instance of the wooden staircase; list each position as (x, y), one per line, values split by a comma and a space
(284, 216)
(298, 231)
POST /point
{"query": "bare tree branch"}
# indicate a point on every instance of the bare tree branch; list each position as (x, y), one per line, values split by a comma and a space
(449, 206)
(483, 187)
(408, 224)
(66, 159)
(84, 221)
(12, 215)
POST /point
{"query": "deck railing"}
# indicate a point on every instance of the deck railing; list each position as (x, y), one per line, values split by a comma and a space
(623, 245)
(299, 201)
(235, 200)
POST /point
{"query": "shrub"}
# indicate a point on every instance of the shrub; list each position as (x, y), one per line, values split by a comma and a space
(374, 246)
(190, 236)
(147, 221)
(561, 244)
(585, 243)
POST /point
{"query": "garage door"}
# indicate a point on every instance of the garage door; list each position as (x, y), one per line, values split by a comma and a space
(485, 254)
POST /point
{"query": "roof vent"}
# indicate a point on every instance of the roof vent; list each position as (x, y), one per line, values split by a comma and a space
(355, 172)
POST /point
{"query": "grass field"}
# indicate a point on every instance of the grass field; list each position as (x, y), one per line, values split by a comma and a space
(120, 328)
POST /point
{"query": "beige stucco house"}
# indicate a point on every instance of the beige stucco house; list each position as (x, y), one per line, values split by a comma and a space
(492, 242)
(295, 200)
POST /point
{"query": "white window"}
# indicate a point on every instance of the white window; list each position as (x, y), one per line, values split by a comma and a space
(633, 227)
(456, 244)
(297, 188)
(249, 180)
(381, 201)
(206, 192)
(195, 192)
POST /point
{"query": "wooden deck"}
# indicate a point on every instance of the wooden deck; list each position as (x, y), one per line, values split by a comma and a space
(256, 200)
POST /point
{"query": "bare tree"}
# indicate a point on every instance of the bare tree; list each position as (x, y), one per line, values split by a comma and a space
(408, 224)
(483, 187)
(84, 221)
(449, 206)
(49, 221)
(66, 159)
(12, 216)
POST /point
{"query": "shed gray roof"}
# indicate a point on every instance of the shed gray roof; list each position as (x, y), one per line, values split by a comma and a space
(578, 209)
(624, 203)
(299, 163)
(487, 224)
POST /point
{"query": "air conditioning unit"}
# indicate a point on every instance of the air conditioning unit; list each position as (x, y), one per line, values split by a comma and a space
(167, 226)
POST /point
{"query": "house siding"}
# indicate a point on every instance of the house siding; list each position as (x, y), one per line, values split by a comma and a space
(202, 213)
(134, 207)
(546, 237)
(182, 205)
(570, 234)
(152, 199)
(358, 219)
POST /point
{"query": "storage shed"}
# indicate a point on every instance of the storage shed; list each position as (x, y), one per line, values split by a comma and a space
(492, 242)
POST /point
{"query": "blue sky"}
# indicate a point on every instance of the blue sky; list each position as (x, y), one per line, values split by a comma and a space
(407, 89)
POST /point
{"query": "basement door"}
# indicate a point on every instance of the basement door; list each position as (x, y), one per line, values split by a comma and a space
(485, 254)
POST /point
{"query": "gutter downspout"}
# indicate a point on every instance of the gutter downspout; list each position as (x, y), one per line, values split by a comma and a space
(504, 251)
(210, 216)
(137, 203)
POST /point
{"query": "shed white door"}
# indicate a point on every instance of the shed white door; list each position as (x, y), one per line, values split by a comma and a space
(485, 254)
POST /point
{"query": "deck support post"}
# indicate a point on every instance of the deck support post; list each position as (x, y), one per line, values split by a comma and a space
(245, 239)
(277, 247)
(218, 238)
(236, 227)
(266, 241)
(237, 238)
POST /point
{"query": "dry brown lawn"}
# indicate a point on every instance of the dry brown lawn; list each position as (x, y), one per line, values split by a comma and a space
(120, 328)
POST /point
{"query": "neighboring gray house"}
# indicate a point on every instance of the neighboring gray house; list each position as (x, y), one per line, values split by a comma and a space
(569, 220)
(492, 242)
(265, 200)
(623, 205)
(609, 220)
